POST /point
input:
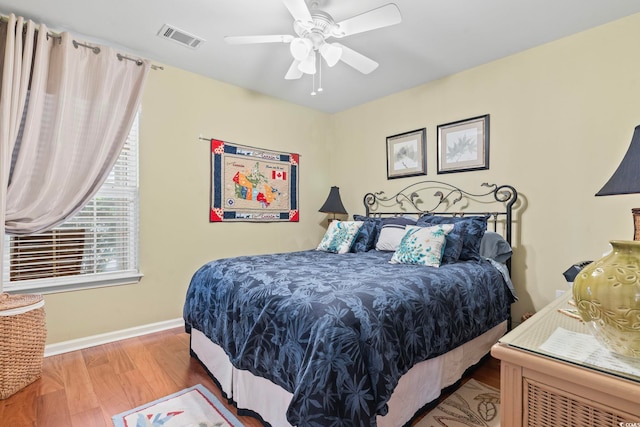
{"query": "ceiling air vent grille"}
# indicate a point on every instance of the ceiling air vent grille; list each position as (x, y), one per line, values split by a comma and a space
(180, 36)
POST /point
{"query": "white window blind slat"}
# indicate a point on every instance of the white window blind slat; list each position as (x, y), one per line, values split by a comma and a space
(97, 247)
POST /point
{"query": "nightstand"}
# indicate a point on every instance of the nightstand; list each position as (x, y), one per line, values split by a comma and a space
(554, 373)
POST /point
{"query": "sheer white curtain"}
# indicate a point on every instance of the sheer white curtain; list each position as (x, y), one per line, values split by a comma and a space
(80, 104)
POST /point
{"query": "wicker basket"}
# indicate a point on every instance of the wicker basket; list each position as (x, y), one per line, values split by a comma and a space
(22, 338)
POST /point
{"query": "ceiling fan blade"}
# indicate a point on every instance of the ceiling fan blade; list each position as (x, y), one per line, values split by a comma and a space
(383, 16)
(299, 11)
(357, 60)
(258, 39)
(294, 72)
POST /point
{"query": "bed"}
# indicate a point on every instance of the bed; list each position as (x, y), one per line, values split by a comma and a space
(344, 337)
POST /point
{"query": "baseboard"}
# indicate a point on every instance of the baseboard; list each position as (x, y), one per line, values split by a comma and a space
(86, 342)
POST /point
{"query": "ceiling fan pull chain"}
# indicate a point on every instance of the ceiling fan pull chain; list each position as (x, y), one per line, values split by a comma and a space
(313, 85)
(320, 73)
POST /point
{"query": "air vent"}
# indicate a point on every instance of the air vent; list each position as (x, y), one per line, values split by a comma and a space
(179, 36)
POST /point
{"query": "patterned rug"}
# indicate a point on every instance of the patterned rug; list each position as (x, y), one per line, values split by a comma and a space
(191, 407)
(473, 404)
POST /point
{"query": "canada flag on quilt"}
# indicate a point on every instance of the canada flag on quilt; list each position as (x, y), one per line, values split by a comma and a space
(282, 175)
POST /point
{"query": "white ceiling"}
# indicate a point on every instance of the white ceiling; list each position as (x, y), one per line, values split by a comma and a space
(436, 38)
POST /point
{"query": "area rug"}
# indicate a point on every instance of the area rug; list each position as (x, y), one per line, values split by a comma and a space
(473, 404)
(192, 407)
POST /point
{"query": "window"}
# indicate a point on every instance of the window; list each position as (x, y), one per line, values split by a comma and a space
(97, 247)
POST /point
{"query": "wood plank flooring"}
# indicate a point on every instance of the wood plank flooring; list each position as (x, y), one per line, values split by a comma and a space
(85, 388)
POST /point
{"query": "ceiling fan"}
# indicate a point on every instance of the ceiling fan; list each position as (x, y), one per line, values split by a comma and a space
(313, 27)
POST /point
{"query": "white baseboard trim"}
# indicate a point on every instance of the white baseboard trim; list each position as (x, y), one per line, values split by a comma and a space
(86, 342)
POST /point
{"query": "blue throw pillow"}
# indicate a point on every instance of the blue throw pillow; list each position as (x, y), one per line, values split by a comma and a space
(366, 238)
(464, 240)
(476, 228)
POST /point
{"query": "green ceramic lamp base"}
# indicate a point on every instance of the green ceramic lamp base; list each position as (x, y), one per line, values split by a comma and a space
(607, 295)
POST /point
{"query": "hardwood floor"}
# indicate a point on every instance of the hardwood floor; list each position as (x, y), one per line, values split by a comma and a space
(85, 388)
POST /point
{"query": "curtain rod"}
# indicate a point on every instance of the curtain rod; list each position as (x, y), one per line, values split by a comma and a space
(95, 49)
(138, 61)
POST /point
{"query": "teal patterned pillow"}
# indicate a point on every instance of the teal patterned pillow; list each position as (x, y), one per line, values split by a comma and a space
(422, 245)
(340, 236)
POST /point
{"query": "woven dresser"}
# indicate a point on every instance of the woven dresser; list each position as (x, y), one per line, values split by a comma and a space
(22, 338)
(554, 374)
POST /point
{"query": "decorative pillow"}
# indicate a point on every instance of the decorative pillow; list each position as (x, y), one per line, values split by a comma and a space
(339, 236)
(474, 231)
(422, 245)
(366, 238)
(466, 236)
(454, 240)
(392, 232)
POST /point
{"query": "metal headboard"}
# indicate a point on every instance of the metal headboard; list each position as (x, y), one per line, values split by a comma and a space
(416, 200)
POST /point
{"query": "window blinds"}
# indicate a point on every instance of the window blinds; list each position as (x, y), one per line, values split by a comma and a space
(97, 247)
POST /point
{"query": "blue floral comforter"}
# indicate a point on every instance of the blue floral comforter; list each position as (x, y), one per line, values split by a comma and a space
(338, 331)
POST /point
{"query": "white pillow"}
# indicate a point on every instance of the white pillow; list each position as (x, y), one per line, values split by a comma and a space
(340, 236)
(422, 245)
(390, 237)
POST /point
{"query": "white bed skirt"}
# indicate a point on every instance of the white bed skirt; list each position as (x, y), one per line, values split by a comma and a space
(421, 385)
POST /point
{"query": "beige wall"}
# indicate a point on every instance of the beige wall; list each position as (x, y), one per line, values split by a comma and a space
(562, 116)
(175, 234)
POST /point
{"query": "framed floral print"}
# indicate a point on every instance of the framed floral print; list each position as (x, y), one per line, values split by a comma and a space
(406, 154)
(464, 145)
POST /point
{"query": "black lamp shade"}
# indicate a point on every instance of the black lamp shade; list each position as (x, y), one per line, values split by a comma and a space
(626, 179)
(333, 204)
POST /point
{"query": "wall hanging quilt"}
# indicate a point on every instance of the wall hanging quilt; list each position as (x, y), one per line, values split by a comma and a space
(253, 184)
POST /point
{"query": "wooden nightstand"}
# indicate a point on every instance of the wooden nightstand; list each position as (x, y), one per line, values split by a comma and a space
(553, 373)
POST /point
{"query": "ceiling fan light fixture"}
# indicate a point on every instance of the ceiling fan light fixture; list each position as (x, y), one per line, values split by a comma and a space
(331, 53)
(300, 48)
(312, 30)
(308, 66)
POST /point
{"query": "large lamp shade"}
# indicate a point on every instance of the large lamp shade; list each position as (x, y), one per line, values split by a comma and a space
(626, 179)
(333, 204)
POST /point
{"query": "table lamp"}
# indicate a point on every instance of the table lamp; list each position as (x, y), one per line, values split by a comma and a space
(333, 204)
(607, 291)
(626, 179)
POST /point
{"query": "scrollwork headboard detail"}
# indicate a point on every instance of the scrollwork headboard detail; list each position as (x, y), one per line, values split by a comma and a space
(416, 200)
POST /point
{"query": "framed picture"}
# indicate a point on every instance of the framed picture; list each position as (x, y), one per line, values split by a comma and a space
(464, 145)
(406, 154)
